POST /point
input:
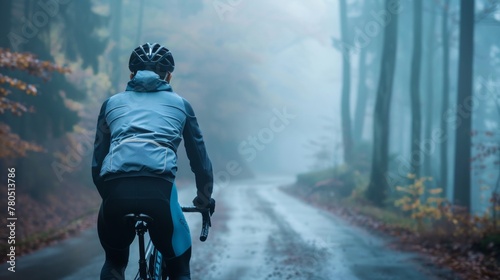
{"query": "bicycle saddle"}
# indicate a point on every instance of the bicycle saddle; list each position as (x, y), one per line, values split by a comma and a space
(134, 218)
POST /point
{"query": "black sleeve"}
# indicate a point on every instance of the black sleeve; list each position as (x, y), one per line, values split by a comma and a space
(197, 154)
(101, 146)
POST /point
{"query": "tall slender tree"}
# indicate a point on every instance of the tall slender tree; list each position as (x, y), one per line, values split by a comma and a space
(416, 114)
(5, 15)
(377, 188)
(116, 31)
(140, 21)
(361, 95)
(443, 177)
(346, 85)
(361, 98)
(429, 113)
(462, 182)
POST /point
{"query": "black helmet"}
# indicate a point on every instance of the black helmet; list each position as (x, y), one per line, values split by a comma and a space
(154, 57)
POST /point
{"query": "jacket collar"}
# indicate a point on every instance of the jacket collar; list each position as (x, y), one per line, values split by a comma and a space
(147, 81)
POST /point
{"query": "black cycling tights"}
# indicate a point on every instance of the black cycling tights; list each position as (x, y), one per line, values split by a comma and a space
(147, 195)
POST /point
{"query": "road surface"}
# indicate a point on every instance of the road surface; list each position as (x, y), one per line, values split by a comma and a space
(259, 232)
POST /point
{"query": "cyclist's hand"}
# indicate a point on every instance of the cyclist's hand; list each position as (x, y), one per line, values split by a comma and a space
(212, 206)
(203, 204)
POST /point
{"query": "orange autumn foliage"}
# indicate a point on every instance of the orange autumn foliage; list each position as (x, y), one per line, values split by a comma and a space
(11, 145)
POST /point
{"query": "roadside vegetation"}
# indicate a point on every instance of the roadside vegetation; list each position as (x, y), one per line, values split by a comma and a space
(45, 215)
(417, 213)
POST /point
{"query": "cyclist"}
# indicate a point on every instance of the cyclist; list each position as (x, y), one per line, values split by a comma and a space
(134, 163)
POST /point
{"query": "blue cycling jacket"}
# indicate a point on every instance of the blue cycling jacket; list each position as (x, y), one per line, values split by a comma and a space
(139, 131)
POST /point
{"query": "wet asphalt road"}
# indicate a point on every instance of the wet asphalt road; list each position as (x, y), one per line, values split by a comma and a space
(258, 232)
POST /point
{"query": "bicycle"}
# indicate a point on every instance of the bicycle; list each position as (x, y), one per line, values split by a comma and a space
(151, 265)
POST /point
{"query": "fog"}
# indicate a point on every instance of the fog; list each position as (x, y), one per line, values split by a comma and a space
(267, 80)
(383, 111)
(266, 57)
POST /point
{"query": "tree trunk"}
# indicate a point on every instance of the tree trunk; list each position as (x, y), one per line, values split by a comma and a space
(5, 27)
(116, 9)
(416, 115)
(377, 188)
(138, 39)
(462, 183)
(430, 92)
(346, 86)
(361, 97)
(359, 114)
(446, 99)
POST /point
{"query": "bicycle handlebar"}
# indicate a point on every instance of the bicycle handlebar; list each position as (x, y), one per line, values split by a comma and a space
(205, 214)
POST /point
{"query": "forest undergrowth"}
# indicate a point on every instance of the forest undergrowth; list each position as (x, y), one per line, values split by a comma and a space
(52, 218)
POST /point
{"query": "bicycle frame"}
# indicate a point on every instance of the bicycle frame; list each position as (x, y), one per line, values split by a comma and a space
(150, 259)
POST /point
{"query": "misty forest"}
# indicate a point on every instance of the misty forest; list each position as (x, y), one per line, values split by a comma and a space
(350, 139)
